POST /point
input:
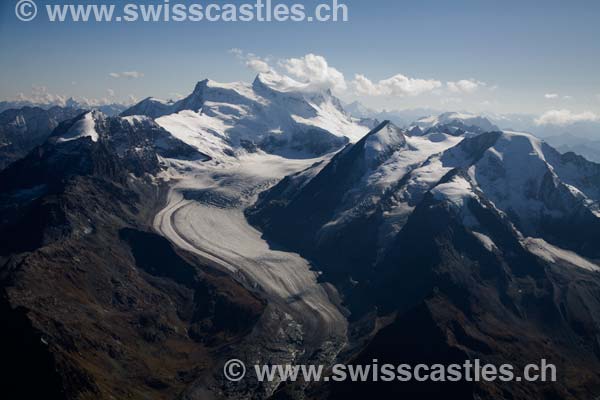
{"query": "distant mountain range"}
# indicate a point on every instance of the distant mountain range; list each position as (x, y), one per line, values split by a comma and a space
(108, 109)
(21, 130)
(582, 138)
(401, 118)
(589, 148)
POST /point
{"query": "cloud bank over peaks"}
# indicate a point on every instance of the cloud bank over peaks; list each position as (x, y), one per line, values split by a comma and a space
(565, 117)
(397, 85)
(315, 73)
(310, 72)
(40, 95)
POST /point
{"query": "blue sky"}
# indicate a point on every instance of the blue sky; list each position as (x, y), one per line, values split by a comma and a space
(523, 56)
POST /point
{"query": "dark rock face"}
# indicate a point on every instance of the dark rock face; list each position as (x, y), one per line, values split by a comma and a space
(412, 339)
(456, 301)
(97, 305)
(23, 129)
(28, 357)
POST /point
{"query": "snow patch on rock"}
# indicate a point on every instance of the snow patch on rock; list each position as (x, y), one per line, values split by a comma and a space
(555, 254)
(84, 127)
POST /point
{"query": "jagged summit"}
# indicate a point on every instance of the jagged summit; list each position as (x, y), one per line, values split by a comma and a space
(378, 128)
(82, 127)
(382, 142)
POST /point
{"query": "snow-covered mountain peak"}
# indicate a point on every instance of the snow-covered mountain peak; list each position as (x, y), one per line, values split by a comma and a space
(83, 127)
(71, 102)
(525, 178)
(384, 140)
(359, 110)
(274, 114)
(201, 85)
(151, 107)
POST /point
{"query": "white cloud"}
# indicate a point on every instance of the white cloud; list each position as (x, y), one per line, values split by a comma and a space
(565, 117)
(312, 71)
(127, 75)
(236, 52)
(397, 85)
(111, 92)
(92, 102)
(251, 60)
(465, 86)
(40, 95)
(258, 65)
(364, 86)
(315, 71)
(555, 96)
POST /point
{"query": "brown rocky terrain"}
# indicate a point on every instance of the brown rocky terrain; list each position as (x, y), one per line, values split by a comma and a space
(93, 304)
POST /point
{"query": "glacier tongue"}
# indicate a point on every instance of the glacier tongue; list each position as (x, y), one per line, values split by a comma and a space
(204, 215)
